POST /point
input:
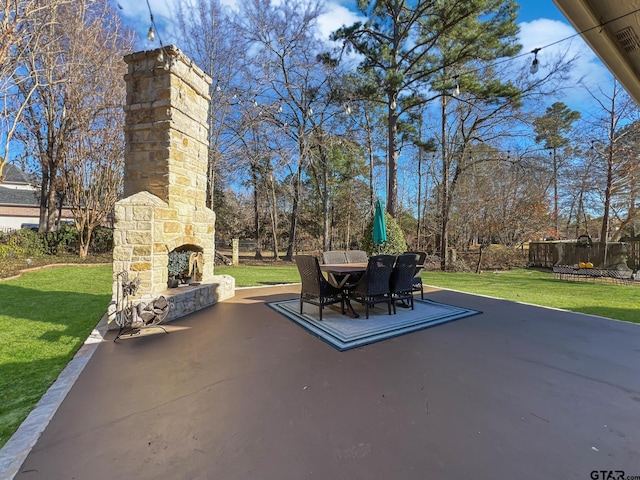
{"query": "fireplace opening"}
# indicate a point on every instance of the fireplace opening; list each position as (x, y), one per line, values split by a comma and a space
(185, 266)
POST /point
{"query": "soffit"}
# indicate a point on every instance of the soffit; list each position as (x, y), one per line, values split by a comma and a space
(612, 30)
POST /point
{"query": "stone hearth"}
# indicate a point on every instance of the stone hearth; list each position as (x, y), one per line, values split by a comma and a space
(165, 180)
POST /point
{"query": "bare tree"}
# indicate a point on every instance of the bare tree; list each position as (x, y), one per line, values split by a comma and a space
(614, 165)
(55, 83)
(23, 27)
(94, 156)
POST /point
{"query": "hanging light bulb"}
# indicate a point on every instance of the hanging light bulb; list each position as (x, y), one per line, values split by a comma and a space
(255, 103)
(456, 89)
(534, 64)
(280, 109)
(151, 35)
(218, 88)
(310, 111)
(347, 110)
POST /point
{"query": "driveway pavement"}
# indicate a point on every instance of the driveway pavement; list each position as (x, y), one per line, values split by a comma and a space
(236, 391)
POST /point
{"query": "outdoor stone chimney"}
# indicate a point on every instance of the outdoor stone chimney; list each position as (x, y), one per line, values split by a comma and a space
(165, 177)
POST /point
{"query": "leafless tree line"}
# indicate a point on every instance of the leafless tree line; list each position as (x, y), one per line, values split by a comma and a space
(300, 138)
(62, 93)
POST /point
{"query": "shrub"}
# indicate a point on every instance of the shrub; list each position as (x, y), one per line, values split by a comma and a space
(101, 240)
(28, 242)
(178, 264)
(65, 239)
(395, 244)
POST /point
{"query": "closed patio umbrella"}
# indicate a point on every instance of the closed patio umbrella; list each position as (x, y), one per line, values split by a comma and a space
(379, 225)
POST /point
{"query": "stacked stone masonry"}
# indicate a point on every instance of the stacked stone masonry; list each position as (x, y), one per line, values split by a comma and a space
(165, 183)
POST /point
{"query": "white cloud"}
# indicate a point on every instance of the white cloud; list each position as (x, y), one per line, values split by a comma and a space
(336, 17)
(556, 38)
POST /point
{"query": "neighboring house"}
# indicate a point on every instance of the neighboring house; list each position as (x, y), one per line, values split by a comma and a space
(19, 200)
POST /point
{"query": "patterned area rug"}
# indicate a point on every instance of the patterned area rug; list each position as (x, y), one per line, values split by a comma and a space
(344, 333)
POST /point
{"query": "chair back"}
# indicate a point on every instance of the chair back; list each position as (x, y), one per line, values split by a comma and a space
(310, 274)
(334, 256)
(357, 256)
(375, 280)
(422, 257)
(402, 276)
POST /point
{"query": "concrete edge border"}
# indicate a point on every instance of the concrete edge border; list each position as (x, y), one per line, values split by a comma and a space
(15, 451)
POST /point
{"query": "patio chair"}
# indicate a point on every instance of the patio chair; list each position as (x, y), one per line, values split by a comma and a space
(417, 278)
(315, 289)
(401, 282)
(357, 256)
(373, 286)
(334, 256)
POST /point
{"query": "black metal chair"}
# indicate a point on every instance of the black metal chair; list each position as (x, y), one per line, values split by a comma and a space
(373, 286)
(315, 289)
(334, 256)
(417, 278)
(401, 281)
(357, 256)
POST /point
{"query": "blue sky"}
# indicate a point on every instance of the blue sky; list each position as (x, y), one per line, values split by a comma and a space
(541, 24)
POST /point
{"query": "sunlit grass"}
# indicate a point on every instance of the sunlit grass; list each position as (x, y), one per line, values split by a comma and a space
(45, 317)
(528, 286)
(256, 275)
(541, 288)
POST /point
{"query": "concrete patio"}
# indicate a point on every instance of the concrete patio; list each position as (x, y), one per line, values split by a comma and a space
(236, 391)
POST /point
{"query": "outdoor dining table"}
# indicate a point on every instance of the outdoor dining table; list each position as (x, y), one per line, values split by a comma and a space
(339, 275)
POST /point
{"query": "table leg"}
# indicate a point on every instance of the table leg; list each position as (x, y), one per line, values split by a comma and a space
(348, 307)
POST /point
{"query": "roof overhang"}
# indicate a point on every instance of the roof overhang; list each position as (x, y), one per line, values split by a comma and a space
(612, 29)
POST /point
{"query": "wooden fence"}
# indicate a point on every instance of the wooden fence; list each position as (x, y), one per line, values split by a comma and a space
(548, 254)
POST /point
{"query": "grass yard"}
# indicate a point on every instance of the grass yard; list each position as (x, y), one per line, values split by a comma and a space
(45, 316)
(530, 286)
(261, 275)
(541, 288)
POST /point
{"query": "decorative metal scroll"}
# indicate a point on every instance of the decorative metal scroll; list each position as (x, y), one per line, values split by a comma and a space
(584, 241)
(131, 319)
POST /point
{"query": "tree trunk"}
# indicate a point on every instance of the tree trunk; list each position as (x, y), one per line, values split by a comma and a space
(85, 240)
(256, 213)
(444, 213)
(371, 159)
(274, 218)
(604, 229)
(294, 215)
(392, 154)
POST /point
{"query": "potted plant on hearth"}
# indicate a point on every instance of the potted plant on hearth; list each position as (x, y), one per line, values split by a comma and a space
(178, 268)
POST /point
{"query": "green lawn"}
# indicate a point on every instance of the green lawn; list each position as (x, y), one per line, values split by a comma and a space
(45, 317)
(256, 275)
(541, 288)
(529, 286)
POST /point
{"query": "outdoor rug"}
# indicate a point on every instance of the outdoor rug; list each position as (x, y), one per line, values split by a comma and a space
(343, 332)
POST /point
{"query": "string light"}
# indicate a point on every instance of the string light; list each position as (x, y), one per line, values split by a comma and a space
(534, 64)
(153, 29)
(456, 90)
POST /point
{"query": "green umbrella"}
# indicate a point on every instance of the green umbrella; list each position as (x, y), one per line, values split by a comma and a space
(379, 225)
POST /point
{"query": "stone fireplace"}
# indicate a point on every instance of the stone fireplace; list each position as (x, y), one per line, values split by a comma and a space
(165, 179)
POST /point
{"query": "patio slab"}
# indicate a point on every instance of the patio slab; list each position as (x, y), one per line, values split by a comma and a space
(237, 391)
